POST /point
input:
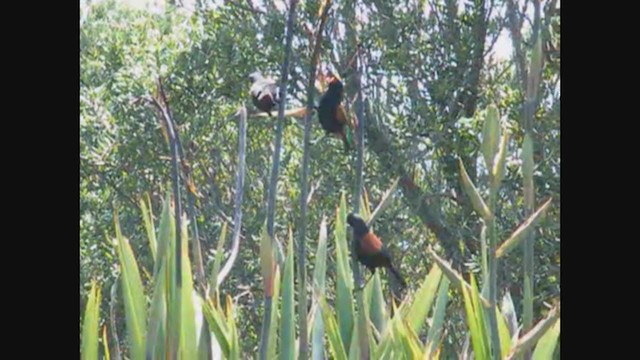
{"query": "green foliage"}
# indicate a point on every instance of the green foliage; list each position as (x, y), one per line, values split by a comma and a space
(90, 325)
(418, 74)
(547, 344)
(287, 320)
(319, 286)
(399, 336)
(344, 289)
(134, 300)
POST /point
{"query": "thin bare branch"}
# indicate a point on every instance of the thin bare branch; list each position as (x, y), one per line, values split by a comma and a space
(394, 162)
(175, 173)
(313, 189)
(273, 183)
(191, 191)
(386, 199)
(302, 222)
(237, 212)
(354, 42)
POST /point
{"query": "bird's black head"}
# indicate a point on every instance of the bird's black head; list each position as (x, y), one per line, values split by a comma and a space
(357, 224)
(336, 86)
(334, 81)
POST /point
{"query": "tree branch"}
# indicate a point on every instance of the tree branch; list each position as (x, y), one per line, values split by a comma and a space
(165, 120)
(515, 25)
(361, 320)
(273, 187)
(237, 212)
(394, 162)
(191, 194)
(302, 224)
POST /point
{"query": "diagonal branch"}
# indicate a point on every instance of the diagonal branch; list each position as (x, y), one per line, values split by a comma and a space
(531, 338)
(415, 197)
(191, 193)
(167, 123)
(170, 130)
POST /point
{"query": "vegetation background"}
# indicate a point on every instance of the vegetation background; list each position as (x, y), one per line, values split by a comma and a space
(429, 71)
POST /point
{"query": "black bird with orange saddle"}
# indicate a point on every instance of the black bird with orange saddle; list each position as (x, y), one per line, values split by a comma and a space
(370, 251)
(264, 92)
(331, 114)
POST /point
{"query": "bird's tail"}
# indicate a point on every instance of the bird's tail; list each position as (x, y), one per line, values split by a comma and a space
(397, 275)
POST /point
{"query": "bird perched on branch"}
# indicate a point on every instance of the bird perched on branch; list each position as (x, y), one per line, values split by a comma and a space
(264, 92)
(370, 251)
(331, 114)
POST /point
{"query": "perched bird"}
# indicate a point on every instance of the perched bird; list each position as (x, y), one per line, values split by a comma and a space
(330, 112)
(369, 249)
(264, 92)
